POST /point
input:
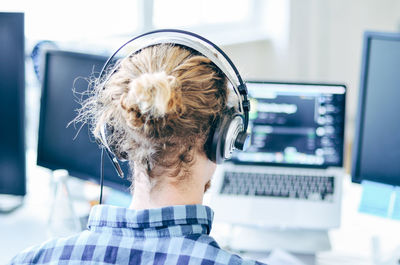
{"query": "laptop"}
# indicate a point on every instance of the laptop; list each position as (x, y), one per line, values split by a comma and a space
(291, 175)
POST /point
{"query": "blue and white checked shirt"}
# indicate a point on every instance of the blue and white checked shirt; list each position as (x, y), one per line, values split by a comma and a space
(170, 235)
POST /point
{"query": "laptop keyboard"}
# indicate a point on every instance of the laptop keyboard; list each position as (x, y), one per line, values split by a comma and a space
(316, 188)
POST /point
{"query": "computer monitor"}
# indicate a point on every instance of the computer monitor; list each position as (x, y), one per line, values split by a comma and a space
(295, 124)
(12, 86)
(62, 147)
(376, 150)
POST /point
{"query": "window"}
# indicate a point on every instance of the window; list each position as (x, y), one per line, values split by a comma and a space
(238, 20)
(76, 19)
(223, 21)
(183, 13)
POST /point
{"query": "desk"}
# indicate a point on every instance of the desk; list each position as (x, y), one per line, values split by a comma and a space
(27, 225)
(351, 243)
(353, 240)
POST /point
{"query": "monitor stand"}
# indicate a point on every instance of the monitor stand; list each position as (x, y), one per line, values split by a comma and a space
(299, 241)
(10, 203)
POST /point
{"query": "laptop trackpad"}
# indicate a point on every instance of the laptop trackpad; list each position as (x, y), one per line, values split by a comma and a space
(274, 212)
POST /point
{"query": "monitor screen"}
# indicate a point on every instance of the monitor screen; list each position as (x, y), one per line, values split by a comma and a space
(12, 90)
(62, 147)
(295, 124)
(376, 153)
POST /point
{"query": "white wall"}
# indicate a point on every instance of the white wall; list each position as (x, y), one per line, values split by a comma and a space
(324, 44)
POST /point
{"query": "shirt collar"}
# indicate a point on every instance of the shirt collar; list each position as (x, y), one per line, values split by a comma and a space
(152, 219)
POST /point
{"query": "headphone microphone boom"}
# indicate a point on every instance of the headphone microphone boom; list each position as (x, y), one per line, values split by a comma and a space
(228, 133)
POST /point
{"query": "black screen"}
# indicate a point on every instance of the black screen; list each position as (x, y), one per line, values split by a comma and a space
(62, 147)
(12, 86)
(377, 140)
(295, 124)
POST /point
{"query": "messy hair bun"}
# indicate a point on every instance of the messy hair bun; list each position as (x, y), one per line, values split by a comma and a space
(151, 95)
(161, 103)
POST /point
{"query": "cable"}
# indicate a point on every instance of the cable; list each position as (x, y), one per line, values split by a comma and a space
(101, 174)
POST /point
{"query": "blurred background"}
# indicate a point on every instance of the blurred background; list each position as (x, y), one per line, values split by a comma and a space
(273, 40)
(307, 40)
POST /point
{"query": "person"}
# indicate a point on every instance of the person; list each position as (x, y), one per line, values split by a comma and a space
(161, 104)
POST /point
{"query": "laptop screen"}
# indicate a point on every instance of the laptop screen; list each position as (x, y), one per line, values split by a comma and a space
(295, 124)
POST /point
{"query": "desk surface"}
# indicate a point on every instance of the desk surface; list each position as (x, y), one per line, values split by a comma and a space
(351, 243)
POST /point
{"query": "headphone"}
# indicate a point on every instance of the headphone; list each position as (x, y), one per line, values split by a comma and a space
(226, 134)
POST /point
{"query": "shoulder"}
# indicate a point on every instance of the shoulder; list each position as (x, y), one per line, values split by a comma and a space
(206, 249)
(51, 250)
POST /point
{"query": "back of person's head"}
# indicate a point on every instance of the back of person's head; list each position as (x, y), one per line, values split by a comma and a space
(161, 104)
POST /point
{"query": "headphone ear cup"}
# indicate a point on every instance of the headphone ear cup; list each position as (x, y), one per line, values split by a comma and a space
(213, 143)
(210, 146)
(222, 138)
(232, 130)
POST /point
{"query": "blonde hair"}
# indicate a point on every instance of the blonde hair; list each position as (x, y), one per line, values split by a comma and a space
(161, 103)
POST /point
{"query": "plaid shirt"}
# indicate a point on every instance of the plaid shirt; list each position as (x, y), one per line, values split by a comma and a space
(170, 235)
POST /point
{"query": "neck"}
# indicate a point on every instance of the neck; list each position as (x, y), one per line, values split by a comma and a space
(167, 193)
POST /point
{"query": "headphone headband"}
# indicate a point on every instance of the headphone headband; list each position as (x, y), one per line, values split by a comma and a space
(193, 41)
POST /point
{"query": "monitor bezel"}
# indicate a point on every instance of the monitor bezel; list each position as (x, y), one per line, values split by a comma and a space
(358, 136)
(339, 165)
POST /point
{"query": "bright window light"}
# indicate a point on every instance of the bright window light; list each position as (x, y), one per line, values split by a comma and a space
(77, 19)
(183, 13)
(224, 21)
